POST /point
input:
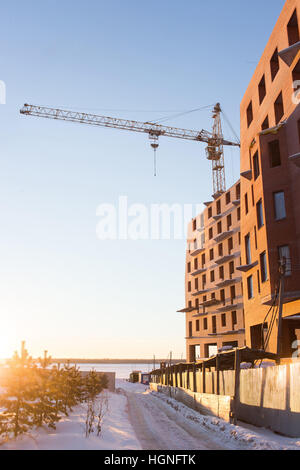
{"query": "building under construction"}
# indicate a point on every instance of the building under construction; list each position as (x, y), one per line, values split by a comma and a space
(270, 191)
(243, 272)
(214, 294)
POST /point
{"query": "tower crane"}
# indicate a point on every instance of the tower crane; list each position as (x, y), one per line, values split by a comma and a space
(214, 140)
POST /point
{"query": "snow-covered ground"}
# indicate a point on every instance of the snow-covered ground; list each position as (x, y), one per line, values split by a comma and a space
(175, 426)
(142, 419)
(70, 433)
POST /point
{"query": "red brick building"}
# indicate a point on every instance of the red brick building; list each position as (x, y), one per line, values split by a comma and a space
(236, 246)
(214, 298)
(270, 188)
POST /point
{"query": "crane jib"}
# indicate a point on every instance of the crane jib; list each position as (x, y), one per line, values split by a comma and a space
(125, 124)
(214, 140)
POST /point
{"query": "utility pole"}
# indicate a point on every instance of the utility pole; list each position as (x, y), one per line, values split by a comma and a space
(282, 269)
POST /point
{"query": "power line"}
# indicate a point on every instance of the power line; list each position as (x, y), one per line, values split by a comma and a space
(265, 342)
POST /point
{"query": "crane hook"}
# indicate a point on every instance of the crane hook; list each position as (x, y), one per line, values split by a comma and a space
(154, 144)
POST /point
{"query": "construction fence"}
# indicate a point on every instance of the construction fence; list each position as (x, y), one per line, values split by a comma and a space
(266, 397)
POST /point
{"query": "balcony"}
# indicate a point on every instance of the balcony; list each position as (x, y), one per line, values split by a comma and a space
(287, 297)
(187, 310)
(200, 292)
(199, 271)
(295, 159)
(246, 267)
(292, 317)
(288, 55)
(227, 308)
(198, 315)
(197, 251)
(237, 202)
(273, 130)
(222, 236)
(228, 282)
(219, 193)
(247, 174)
(224, 259)
(232, 332)
(211, 303)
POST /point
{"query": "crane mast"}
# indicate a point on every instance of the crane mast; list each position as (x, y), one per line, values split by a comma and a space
(215, 153)
(214, 139)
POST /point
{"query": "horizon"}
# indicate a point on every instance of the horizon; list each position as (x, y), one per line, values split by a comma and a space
(104, 359)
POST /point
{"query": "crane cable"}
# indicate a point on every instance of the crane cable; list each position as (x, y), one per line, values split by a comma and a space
(268, 313)
(230, 126)
(273, 318)
(173, 116)
(265, 342)
(272, 322)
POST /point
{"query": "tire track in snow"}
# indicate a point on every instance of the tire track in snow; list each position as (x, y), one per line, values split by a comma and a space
(157, 429)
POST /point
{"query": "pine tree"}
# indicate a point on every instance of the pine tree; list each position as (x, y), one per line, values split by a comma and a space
(57, 379)
(72, 387)
(93, 385)
(45, 405)
(18, 398)
(35, 394)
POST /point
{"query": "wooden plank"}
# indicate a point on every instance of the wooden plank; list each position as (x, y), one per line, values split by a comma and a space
(194, 378)
(218, 374)
(237, 369)
(280, 310)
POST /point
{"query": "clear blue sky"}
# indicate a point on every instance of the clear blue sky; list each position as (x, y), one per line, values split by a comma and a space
(61, 288)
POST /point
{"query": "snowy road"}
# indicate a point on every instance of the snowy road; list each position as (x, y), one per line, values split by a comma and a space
(138, 418)
(158, 428)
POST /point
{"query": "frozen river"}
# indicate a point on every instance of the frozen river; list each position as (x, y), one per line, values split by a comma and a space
(122, 370)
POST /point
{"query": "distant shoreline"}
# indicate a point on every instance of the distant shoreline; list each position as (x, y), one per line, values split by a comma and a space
(113, 361)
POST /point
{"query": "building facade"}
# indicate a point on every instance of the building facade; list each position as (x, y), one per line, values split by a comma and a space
(270, 190)
(214, 296)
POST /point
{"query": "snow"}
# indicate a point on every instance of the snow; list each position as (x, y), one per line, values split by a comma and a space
(218, 432)
(139, 418)
(159, 427)
(70, 434)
